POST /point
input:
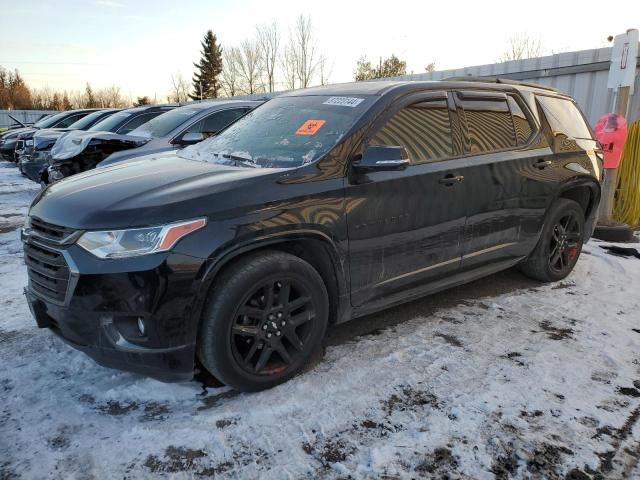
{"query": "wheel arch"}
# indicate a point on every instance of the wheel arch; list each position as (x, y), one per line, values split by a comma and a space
(585, 192)
(316, 248)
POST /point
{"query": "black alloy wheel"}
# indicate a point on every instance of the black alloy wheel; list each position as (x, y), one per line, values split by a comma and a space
(264, 321)
(560, 243)
(271, 329)
(566, 237)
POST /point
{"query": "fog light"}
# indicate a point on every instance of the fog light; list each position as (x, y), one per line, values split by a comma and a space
(141, 326)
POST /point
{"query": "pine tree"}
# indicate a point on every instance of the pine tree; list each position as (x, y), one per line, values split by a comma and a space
(205, 79)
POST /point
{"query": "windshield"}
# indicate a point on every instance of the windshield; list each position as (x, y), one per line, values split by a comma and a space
(44, 117)
(284, 132)
(52, 120)
(85, 122)
(164, 124)
(111, 123)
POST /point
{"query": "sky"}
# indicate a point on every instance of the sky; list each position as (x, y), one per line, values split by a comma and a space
(139, 45)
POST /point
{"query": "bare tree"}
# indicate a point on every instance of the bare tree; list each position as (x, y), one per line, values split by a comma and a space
(111, 97)
(268, 39)
(77, 99)
(324, 70)
(230, 71)
(179, 89)
(520, 47)
(289, 66)
(42, 98)
(250, 66)
(304, 48)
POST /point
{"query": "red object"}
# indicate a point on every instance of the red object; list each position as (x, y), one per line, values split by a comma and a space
(611, 132)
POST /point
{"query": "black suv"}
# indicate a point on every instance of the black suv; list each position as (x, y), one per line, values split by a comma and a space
(319, 206)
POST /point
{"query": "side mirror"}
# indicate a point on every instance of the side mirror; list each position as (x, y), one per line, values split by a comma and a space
(382, 158)
(190, 138)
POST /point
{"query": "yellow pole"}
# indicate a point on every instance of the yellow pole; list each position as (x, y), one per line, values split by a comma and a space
(627, 203)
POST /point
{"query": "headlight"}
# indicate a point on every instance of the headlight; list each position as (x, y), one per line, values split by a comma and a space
(29, 143)
(137, 241)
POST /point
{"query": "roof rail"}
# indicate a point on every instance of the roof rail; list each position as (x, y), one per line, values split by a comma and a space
(504, 81)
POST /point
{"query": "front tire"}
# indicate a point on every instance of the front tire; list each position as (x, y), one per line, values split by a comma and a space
(560, 243)
(264, 320)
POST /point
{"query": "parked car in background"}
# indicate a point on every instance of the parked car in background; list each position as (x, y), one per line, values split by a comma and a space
(322, 205)
(33, 146)
(20, 124)
(121, 123)
(9, 140)
(80, 151)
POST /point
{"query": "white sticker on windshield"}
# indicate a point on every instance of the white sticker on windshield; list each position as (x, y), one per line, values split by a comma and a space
(344, 101)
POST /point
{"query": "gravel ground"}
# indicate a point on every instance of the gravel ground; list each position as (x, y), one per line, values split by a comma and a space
(501, 378)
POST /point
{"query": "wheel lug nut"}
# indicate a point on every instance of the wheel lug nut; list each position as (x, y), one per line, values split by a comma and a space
(264, 327)
(278, 333)
(279, 314)
(283, 323)
(268, 335)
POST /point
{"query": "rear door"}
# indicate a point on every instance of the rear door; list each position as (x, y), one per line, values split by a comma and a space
(405, 227)
(505, 201)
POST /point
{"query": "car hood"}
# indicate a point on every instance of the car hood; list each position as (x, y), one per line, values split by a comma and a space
(151, 190)
(44, 139)
(27, 133)
(153, 146)
(72, 144)
(14, 133)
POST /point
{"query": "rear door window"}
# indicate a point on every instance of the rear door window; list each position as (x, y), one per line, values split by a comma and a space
(489, 126)
(564, 117)
(423, 129)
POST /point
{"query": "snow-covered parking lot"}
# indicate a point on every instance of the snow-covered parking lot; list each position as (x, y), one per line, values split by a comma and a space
(502, 378)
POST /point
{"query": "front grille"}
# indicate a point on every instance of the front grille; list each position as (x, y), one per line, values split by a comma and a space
(48, 272)
(50, 232)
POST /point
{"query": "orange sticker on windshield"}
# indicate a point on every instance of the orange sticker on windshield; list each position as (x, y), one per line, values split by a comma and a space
(310, 127)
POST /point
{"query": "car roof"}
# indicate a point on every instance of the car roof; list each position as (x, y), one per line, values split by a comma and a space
(146, 108)
(216, 104)
(384, 87)
(80, 110)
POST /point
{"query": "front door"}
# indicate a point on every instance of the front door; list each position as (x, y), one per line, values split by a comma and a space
(405, 227)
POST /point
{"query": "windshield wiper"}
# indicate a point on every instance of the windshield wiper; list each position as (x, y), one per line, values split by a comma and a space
(239, 159)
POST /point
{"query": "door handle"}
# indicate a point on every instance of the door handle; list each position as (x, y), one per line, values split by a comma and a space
(543, 164)
(450, 179)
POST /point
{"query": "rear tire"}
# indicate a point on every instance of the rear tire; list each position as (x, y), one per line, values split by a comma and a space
(560, 243)
(264, 320)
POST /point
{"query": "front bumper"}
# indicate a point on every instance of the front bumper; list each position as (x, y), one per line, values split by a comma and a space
(99, 339)
(104, 300)
(32, 169)
(8, 152)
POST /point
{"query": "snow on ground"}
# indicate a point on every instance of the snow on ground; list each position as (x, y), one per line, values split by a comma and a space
(504, 378)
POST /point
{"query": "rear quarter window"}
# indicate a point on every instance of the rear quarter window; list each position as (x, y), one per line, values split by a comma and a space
(564, 117)
(522, 125)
